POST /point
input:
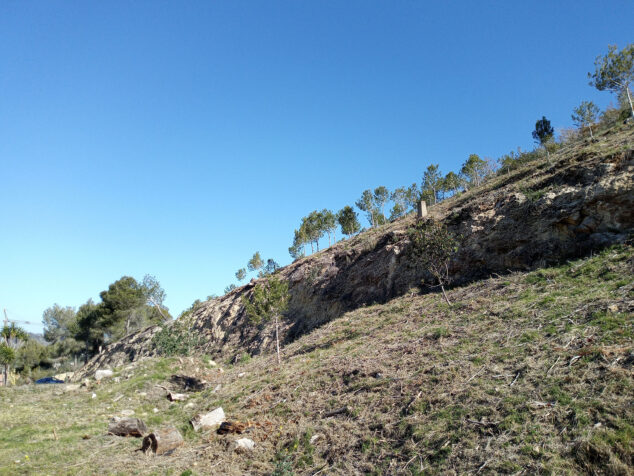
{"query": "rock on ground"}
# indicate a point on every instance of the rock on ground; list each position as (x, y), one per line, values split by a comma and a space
(244, 445)
(103, 373)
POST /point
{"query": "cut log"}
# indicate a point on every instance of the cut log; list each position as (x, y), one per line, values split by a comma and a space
(162, 441)
(208, 421)
(339, 411)
(127, 427)
(233, 427)
(176, 397)
(187, 383)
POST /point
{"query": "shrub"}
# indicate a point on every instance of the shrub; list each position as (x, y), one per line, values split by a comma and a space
(175, 339)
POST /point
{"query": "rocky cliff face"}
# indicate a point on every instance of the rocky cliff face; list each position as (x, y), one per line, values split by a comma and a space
(538, 215)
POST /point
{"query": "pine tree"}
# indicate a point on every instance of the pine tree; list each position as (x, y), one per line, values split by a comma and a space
(269, 300)
(543, 134)
(329, 223)
(366, 204)
(432, 247)
(473, 170)
(614, 72)
(585, 115)
(255, 262)
(432, 180)
(348, 220)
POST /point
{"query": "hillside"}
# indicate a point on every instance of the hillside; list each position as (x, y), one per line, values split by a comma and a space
(538, 215)
(528, 373)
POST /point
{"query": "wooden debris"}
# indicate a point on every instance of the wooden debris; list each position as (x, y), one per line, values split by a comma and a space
(233, 427)
(176, 397)
(163, 441)
(127, 427)
(208, 421)
(338, 411)
(485, 424)
(536, 404)
(187, 383)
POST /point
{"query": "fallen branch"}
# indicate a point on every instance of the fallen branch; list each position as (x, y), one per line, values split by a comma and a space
(485, 424)
(482, 467)
(551, 367)
(515, 379)
(476, 374)
(338, 411)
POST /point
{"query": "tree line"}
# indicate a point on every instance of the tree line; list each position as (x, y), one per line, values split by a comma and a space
(381, 205)
(614, 72)
(75, 335)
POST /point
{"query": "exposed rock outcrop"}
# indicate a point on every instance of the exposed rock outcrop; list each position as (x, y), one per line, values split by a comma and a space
(538, 215)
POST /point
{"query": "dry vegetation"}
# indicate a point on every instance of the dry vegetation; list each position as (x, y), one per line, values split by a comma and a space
(527, 373)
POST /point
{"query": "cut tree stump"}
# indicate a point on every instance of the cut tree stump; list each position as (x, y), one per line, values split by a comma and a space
(127, 427)
(162, 441)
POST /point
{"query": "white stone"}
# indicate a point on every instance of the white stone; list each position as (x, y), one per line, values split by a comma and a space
(94, 395)
(71, 387)
(127, 412)
(155, 410)
(212, 363)
(103, 373)
(241, 374)
(209, 421)
(244, 445)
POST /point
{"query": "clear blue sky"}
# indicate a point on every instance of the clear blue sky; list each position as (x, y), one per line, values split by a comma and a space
(177, 138)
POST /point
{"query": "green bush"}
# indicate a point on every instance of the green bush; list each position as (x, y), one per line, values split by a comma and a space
(175, 339)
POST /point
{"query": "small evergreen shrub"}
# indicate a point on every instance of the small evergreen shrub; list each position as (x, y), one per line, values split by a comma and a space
(177, 339)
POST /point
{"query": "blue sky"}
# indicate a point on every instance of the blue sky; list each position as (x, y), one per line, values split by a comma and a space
(177, 138)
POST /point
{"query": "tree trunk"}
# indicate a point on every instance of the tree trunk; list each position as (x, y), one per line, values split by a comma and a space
(127, 427)
(444, 293)
(590, 127)
(158, 308)
(277, 340)
(162, 441)
(629, 98)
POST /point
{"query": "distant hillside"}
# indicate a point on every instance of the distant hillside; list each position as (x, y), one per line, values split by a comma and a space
(540, 214)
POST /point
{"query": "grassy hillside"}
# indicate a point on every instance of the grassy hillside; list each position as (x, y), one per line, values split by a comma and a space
(526, 373)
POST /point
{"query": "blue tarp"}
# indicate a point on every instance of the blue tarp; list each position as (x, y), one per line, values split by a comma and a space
(49, 380)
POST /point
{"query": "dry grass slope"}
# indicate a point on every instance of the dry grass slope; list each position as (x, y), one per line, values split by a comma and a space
(530, 373)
